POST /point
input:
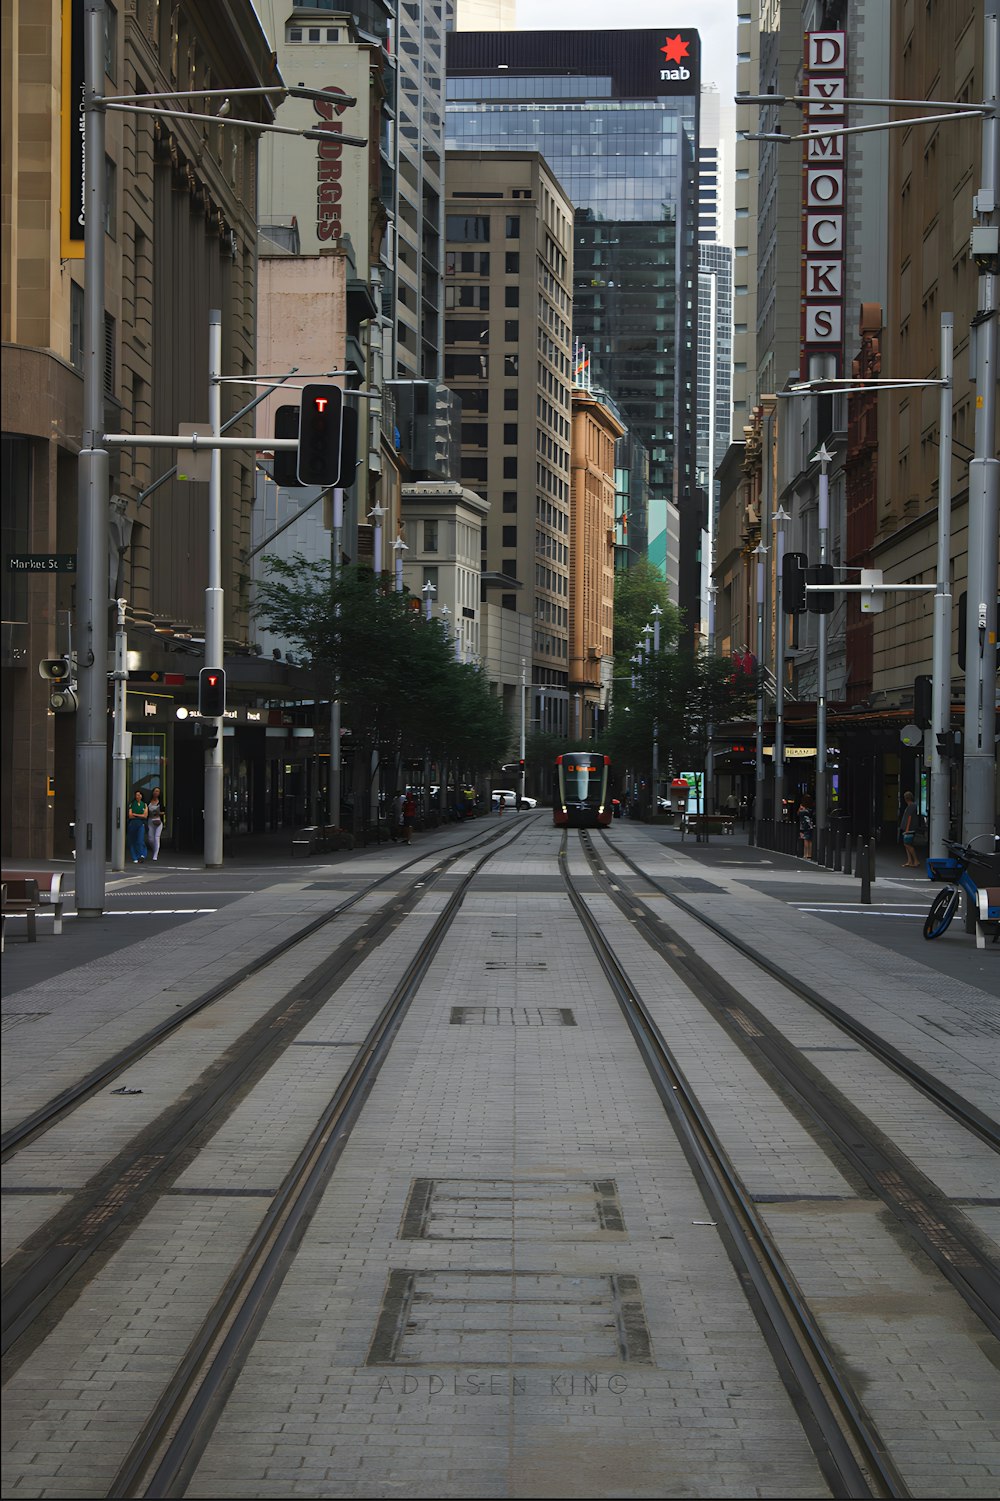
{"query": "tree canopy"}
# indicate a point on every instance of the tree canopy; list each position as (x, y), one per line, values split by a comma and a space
(394, 672)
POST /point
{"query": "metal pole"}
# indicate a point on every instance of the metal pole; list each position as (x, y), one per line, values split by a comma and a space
(710, 753)
(780, 517)
(940, 778)
(821, 664)
(93, 492)
(979, 785)
(758, 802)
(214, 648)
(520, 793)
(120, 756)
(336, 770)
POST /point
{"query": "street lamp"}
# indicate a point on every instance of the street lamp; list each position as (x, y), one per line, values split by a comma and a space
(399, 547)
(375, 517)
(428, 592)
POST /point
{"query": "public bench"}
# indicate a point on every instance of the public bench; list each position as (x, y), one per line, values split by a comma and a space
(307, 841)
(18, 898)
(50, 892)
(706, 823)
(987, 914)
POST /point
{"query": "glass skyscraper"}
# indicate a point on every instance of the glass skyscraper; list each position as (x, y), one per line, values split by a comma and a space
(615, 115)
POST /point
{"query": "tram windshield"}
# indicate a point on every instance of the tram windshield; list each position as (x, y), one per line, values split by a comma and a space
(582, 779)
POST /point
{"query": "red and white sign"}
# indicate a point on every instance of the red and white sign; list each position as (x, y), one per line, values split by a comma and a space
(823, 198)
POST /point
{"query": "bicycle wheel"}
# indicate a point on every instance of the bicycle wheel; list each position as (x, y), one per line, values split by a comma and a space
(941, 913)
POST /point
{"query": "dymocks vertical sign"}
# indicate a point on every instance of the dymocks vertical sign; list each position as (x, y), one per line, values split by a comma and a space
(823, 187)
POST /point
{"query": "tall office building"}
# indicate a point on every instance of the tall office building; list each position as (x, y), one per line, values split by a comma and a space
(615, 115)
(509, 268)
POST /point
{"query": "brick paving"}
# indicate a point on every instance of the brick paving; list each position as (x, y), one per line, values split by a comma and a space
(512, 1286)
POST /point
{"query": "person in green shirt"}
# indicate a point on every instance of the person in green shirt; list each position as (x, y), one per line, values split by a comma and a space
(136, 827)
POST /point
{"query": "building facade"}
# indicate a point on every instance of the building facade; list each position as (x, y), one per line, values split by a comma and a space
(596, 430)
(615, 115)
(508, 296)
(180, 240)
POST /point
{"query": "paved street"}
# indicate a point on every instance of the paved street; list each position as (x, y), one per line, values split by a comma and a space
(512, 1272)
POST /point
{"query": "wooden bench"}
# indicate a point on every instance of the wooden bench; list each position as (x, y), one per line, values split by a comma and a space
(50, 892)
(987, 914)
(307, 841)
(20, 899)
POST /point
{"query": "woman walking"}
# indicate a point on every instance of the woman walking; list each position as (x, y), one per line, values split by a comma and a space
(155, 816)
(908, 832)
(136, 826)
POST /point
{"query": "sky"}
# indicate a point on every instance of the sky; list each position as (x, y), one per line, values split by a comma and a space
(715, 20)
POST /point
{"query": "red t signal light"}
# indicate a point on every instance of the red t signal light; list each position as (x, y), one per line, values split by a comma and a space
(212, 692)
(320, 417)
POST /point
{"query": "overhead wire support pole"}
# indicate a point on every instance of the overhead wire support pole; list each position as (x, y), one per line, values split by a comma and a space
(214, 603)
(940, 778)
(92, 518)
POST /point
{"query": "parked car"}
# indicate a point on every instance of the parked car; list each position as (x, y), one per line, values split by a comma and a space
(508, 798)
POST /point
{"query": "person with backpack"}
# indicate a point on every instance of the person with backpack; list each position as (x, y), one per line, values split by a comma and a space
(909, 827)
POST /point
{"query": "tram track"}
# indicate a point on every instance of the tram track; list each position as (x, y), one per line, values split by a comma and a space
(75, 1242)
(941, 1232)
(854, 1456)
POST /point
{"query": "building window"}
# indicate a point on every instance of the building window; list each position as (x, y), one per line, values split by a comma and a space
(512, 263)
(510, 468)
(475, 434)
(510, 536)
(510, 399)
(513, 228)
(430, 536)
(467, 227)
(510, 331)
(111, 42)
(110, 197)
(508, 601)
(510, 500)
(76, 325)
(512, 296)
(510, 432)
(510, 364)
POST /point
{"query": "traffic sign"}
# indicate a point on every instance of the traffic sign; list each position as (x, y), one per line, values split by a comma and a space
(42, 562)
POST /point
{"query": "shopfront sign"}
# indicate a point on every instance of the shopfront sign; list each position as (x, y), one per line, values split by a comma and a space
(823, 179)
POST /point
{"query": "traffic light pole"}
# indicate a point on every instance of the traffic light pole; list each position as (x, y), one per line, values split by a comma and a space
(214, 604)
(92, 514)
(940, 776)
(336, 544)
(120, 751)
(821, 661)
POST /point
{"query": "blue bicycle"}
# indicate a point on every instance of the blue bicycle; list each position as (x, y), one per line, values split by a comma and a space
(954, 869)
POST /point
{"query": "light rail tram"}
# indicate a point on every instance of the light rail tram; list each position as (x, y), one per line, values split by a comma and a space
(581, 791)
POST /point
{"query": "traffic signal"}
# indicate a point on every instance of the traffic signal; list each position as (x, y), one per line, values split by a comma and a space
(212, 692)
(949, 745)
(923, 691)
(820, 573)
(56, 669)
(209, 732)
(319, 435)
(286, 460)
(793, 583)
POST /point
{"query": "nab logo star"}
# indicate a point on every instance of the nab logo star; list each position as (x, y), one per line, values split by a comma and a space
(675, 50)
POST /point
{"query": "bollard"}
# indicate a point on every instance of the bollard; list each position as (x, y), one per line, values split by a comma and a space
(864, 858)
(831, 839)
(871, 858)
(859, 855)
(838, 849)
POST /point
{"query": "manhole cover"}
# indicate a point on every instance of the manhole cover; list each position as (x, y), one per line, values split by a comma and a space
(461, 1317)
(502, 1209)
(512, 1016)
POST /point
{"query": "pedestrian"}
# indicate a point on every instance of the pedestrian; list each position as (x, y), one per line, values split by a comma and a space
(136, 826)
(807, 827)
(908, 824)
(155, 817)
(732, 803)
(396, 817)
(409, 815)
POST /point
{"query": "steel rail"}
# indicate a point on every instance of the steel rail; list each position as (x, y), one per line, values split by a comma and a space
(166, 1452)
(80, 1228)
(943, 1095)
(53, 1110)
(851, 1451)
(892, 1176)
